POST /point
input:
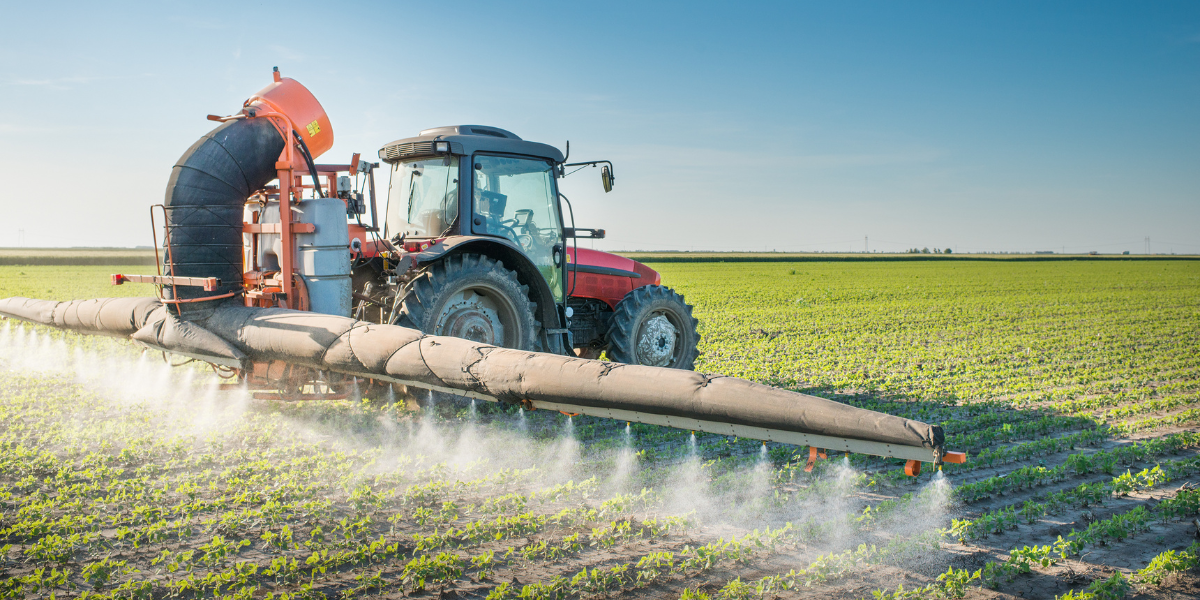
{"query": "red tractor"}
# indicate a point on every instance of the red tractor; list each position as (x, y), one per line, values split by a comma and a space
(473, 244)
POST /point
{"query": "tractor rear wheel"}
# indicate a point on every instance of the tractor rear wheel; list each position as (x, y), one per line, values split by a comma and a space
(473, 297)
(654, 326)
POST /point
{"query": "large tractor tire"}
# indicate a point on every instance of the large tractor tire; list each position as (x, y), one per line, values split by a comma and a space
(473, 297)
(653, 326)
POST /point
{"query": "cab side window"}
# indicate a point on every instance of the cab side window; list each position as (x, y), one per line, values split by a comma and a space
(514, 198)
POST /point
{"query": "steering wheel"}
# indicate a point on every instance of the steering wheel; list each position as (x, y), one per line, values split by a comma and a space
(508, 231)
(513, 228)
(539, 236)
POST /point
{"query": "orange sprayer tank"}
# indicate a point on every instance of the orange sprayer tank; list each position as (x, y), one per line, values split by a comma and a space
(288, 96)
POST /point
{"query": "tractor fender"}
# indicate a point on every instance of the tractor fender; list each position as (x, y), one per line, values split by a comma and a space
(511, 256)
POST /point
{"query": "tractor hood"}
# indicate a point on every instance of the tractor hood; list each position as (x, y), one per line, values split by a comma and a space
(612, 264)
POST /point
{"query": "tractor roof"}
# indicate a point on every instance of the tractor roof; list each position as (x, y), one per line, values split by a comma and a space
(466, 139)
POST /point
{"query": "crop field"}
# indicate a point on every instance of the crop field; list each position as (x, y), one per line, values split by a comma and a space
(1073, 386)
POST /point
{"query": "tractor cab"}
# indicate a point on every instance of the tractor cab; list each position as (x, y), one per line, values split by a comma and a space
(479, 182)
(474, 244)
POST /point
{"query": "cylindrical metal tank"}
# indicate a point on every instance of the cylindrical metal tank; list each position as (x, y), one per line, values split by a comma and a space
(323, 257)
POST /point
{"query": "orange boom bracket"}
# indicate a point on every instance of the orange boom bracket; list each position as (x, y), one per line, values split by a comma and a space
(813, 453)
(912, 468)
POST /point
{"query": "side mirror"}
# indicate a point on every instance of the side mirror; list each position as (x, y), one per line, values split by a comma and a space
(606, 179)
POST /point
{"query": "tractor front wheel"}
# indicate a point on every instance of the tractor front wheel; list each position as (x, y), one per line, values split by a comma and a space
(473, 297)
(653, 326)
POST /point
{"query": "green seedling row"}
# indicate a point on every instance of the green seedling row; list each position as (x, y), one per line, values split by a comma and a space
(1029, 367)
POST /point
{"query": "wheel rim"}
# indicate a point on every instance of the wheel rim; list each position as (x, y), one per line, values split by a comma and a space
(658, 341)
(481, 314)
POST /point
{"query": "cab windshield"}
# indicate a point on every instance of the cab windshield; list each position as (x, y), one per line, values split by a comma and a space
(422, 198)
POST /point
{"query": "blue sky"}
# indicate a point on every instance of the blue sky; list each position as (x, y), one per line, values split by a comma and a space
(1001, 126)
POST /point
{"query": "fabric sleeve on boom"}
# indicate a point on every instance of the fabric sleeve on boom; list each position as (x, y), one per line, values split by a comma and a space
(344, 345)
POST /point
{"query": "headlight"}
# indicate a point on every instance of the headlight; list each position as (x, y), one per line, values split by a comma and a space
(441, 147)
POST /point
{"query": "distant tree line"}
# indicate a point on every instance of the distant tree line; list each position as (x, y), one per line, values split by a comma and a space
(927, 251)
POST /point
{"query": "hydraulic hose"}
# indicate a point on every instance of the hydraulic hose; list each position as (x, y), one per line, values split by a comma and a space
(204, 202)
(312, 166)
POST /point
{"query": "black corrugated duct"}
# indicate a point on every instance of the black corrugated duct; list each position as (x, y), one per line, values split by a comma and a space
(205, 198)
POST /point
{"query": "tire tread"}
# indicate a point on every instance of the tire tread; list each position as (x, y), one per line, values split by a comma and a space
(626, 318)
